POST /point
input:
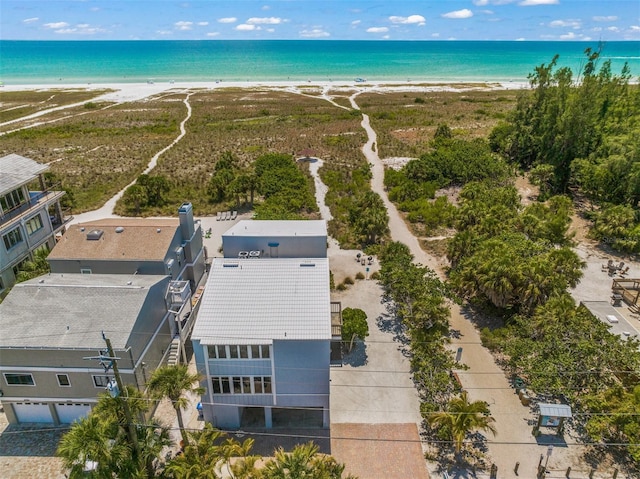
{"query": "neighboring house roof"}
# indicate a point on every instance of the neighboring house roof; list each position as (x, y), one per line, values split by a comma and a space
(278, 228)
(16, 170)
(140, 239)
(257, 300)
(71, 310)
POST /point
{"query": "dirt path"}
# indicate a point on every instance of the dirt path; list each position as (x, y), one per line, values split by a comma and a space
(484, 380)
(106, 211)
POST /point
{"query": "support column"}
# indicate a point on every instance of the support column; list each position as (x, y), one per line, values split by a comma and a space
(268, 420)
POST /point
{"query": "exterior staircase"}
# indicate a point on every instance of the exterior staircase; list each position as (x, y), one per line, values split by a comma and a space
(174, 352)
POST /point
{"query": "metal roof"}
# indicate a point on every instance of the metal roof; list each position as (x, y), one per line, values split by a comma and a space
(16, 170)
(278, 228)
(71, 310)
(555, 410)
(255, 300)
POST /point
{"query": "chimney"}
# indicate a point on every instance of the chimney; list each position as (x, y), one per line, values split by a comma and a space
(185, 212)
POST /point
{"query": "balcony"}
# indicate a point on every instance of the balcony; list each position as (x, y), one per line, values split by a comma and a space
(336, 320)
(37, 200)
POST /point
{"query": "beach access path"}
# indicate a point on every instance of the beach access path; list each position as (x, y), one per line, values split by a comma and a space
(484, 379)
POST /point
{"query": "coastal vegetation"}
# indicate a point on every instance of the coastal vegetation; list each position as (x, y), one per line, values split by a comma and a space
(513, 262)
(19, 104)
(577, 133)
(99, 445)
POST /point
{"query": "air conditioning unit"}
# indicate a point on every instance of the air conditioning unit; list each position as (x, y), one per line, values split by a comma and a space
(243, 254)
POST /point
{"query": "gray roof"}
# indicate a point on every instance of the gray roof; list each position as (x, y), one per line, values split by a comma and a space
(555, 410)
(16, 170)
(278, 228)
(258, 300)
(71, 310)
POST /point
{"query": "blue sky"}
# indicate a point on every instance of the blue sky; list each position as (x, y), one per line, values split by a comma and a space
(581, 20)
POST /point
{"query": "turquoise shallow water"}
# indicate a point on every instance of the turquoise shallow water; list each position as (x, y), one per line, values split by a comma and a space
(36, 62)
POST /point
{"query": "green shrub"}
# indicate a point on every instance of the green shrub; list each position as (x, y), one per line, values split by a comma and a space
(341, 287)
(360, 275)
(348, 280)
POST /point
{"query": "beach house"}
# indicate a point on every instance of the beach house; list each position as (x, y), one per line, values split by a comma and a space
(132, 280)
(30, 215)
(262, 338)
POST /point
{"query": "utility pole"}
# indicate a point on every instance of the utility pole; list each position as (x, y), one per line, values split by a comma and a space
(113, 363)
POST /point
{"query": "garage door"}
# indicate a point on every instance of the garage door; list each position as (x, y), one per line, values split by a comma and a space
(68, 413)
(32, 412)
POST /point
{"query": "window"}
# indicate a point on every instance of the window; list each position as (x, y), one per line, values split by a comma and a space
(226, 386)
(85, 270)
(12, 199)
(63, 380)
(241, 385)
(237, 385)
(246, 385)
(34, 224)
(17, 379)
(235, 351)
(101, 381)
(217, 388)
(12, 238)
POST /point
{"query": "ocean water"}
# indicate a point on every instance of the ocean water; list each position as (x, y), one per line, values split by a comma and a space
(51, 62)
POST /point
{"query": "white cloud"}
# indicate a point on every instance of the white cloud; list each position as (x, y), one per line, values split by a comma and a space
(565, 23)
(56, 25)
(610, 18)
(265, 7)
(596, 29)
(314, 33)
(569, 36)
(464, 13)
(164, 32)
(377, 30)
(613, 29)
(265, 21)
(80, 29)
(521, 39)
(411, 19)
(95, 9)
(532, 3)
(183, 26)
(30, 20)
(243, 27)
(227, 20)
(202, 24)
(213, 34)
(482, 3)
(356, 22)
(635, 28)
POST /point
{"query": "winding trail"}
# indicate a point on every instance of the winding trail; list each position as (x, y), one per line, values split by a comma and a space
(106, 211)
(484, 379)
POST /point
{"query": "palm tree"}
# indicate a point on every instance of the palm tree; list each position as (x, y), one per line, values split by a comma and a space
(463, 417)
(201, 456)
(91, 439)
(173, 382)
(303, 461)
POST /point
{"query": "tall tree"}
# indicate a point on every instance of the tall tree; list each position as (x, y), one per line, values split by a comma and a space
(173, 382)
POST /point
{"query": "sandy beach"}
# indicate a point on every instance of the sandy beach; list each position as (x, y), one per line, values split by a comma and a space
(124, 92)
